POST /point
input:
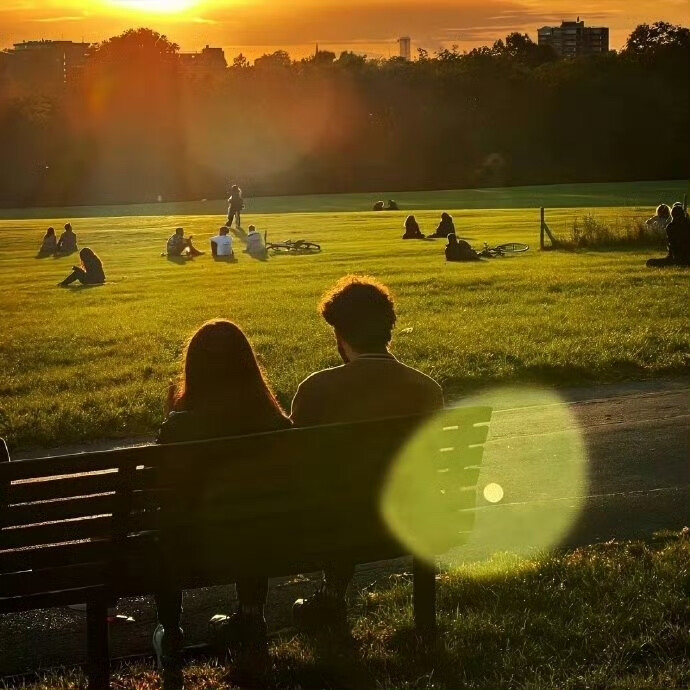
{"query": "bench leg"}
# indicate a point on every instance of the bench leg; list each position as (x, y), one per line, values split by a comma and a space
(97, 644)
(424, 589)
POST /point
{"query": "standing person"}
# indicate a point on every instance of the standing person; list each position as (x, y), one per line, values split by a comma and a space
(678, 236)
(235, 206)
(67, 244)
(49, 244)
(371, 383)
(412, 231)
(89, 273)
(222, 392)
(179, 245)
(221, 244)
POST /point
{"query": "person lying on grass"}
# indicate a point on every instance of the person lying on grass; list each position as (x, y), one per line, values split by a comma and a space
(179, 245)
(221, 245)
(222, 392)
(370, 384)
(89, 273)
(678, 236)
(67, 244)
(412, 231)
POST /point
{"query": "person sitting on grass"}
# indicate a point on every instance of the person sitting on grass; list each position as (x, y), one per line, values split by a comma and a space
(445, 227)
(67, 244)
(235, 205)
(379, 206)
(392, 205)
(89, 273)
(459, 250)
(678, 236)
(660, 219)
(370, 384)
(255, 244)
(412, 231)
(49, 244)
(221, 245)
(179, 245)
(222, 392)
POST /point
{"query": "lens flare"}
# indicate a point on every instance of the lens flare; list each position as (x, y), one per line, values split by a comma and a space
(458, 492)
(493, 493)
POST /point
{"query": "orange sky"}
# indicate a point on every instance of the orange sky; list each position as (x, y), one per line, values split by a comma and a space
(367, 26)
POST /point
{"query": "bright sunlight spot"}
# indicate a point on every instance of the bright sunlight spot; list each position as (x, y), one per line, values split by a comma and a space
(493, 493)
(155, 6)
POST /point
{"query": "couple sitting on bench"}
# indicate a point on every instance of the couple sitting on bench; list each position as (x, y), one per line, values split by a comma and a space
(223, 392)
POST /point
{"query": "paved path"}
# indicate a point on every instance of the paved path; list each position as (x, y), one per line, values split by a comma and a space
(637, 478)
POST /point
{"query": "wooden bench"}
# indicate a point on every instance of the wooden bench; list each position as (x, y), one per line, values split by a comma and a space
(95, 527)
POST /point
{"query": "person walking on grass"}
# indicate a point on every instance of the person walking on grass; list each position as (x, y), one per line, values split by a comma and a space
(370, 384)
(222, 392)
(89, 273)
(67, 244)
(235, 206)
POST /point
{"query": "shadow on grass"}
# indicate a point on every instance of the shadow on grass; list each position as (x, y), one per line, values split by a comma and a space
(179, 260)
(225, 259)
(324, 662)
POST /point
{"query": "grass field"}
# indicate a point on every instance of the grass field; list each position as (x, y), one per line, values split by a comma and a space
(611, 616)
(82, 364)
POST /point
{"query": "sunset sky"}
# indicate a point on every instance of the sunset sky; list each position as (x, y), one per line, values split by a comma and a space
(366, 26)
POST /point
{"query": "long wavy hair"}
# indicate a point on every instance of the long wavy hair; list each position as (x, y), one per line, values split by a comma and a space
(220, 372)
(90, 260)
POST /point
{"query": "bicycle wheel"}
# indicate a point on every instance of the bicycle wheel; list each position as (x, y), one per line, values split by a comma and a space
(279, 248)
(309, 247)
(512, 247)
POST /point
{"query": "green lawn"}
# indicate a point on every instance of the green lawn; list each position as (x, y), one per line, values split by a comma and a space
(83, 364)
(611, 616)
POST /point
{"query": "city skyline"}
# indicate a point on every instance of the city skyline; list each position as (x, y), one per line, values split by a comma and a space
(255, 27)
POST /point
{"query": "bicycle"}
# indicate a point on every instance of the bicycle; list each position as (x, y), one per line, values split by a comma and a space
(293, 247)
(502, 249)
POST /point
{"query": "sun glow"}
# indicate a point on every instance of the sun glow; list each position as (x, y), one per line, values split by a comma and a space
(155, 6)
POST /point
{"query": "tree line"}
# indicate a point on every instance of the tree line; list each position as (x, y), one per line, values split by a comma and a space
(133, 126)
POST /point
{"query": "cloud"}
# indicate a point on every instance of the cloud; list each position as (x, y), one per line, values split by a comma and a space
(50, 20)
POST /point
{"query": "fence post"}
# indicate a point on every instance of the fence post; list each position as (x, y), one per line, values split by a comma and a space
(541, 230)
